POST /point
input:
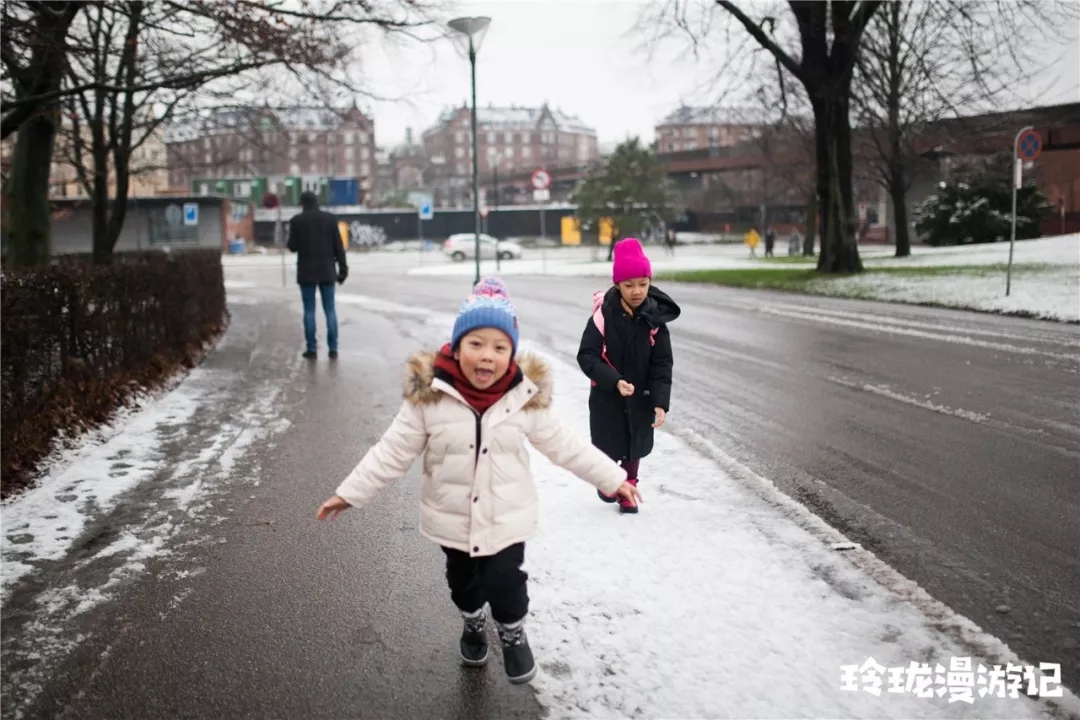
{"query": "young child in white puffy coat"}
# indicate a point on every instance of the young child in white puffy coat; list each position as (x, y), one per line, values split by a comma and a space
(468, 410)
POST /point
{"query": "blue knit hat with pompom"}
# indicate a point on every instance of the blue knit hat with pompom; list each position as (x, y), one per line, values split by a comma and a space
(488, 306)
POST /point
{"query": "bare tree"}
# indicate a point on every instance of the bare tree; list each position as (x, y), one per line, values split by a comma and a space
(33, 44)
(828, 34)
(922, 61)
(135, 65)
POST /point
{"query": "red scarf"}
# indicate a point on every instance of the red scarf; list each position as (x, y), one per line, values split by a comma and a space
(480, 400)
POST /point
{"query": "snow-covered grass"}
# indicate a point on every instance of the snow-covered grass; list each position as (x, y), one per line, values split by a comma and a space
(1046, 280)
(724, 598)
(1048, 292)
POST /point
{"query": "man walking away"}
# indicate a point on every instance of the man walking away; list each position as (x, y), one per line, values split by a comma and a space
(314, 237)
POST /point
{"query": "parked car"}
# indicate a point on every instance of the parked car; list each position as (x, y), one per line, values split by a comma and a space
(462, 246)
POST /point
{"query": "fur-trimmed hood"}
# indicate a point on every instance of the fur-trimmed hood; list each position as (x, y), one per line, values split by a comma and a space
(420, 371)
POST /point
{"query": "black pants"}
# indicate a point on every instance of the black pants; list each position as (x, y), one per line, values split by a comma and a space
(496, 579)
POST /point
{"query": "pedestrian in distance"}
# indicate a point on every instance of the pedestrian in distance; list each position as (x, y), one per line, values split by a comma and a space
(468, 410)
(316, 240)
(770, 241)
(669, 242)
(626, 351)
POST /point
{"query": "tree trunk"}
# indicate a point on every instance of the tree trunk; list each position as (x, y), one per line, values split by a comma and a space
(832, 130)
(811, 224)
(99, 207)
(898, 196)
(29, 239)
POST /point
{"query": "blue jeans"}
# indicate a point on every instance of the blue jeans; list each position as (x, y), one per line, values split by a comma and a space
(326, 290)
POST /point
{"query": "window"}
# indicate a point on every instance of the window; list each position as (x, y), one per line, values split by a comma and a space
(348, 138)
(365, 169)
(361, 137)
(491, 138)
(688, 132)
(508, 138)
(459, 151)
(350, 169)
(547, 138)
(348, 153)
(311, 137)
(459, 137)
(242, 190)
(167, 226)
(294, 169)
(526, 152)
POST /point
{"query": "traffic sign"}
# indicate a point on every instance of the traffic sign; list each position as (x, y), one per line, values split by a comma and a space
(426, 212)
(483, 212)
(541, 196)
(1029, 145)
(191, 214)
(269, 200)
(541, 180)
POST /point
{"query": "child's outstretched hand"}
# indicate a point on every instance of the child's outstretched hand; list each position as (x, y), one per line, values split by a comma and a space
(625, 388)
(332, 508)
(630, 492)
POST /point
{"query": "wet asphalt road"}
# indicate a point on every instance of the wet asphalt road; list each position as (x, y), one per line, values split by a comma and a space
(946, 442)
(285, 617)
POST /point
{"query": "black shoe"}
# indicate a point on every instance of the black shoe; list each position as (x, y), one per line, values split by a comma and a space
(310, 355)
(517, 655)
(607, 498)
(474, 644)
(333, 354)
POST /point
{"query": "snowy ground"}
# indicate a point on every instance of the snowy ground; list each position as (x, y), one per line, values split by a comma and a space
(725, 598)
(722, 583)
(1046, 279)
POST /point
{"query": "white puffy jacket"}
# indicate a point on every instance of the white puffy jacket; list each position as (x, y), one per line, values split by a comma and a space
(477, 493)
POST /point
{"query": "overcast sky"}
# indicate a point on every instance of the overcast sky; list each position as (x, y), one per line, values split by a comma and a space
(584, 57)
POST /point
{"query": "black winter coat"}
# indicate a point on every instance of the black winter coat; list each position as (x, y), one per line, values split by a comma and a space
(622, 427)
(314, 237)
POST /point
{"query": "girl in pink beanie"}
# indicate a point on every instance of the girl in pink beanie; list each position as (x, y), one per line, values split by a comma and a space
(626, 352)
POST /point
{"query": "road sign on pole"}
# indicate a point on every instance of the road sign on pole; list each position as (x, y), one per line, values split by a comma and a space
(1026, 146)
(541, 180)
(426, 211)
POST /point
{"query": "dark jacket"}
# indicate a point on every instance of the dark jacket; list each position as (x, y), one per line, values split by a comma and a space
(314, 237)
(622, 427)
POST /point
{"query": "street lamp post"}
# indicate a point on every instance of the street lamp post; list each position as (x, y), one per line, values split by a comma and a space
(473, 29)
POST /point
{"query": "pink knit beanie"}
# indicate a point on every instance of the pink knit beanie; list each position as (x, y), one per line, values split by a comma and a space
(630, 261)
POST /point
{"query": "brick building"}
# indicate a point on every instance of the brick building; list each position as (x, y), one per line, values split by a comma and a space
(147, 174)
(274, 143)
(509, 140)
(699, 128)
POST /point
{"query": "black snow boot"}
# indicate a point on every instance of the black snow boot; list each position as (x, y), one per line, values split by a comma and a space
(517, 655)
(474, 644)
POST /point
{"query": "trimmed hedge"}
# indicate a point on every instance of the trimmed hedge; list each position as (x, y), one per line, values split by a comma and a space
(80, 340)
